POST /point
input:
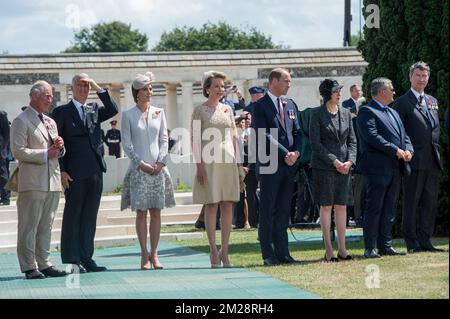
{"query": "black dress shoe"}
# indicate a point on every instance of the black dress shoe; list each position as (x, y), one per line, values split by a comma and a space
(371, 253)
(199, 224)
(34, 274)
(271, 262)
(331, 260)
(288, 260)
(78, 269)
(91, 266)
(414, 250)
(53, 272)
(433, 249)
(390, 251)
(348, 257)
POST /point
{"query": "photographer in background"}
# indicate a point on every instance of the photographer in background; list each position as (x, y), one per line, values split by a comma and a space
(228, 101)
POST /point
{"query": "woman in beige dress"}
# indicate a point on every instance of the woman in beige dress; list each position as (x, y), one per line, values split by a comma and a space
(213, 134)
(147, 186)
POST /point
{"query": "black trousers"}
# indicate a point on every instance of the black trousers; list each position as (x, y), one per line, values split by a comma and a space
(274, 211)
(359, 194)
(251, 185)
(382, 192)
(4, 176)
(114, 150)
(420, 199)
(80, 219)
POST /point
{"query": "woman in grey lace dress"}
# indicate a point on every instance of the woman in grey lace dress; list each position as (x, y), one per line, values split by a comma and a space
(147, 186)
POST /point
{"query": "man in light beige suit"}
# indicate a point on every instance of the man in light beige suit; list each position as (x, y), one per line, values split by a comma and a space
(36, 145)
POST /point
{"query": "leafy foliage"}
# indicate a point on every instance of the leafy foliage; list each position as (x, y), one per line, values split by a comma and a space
(221, 36)
(109, 37)
(412, 31)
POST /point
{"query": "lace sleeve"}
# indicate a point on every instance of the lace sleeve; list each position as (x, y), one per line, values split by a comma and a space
(196, 135)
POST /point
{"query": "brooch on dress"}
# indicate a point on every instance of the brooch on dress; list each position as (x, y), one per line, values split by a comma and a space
(155, 115)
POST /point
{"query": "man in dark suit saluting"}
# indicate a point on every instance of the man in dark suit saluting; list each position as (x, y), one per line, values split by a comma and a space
(386, 151)
(278, 139)
(419, 113)
(81, 170)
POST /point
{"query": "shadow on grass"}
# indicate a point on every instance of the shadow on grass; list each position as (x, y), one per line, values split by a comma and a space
(252, 249)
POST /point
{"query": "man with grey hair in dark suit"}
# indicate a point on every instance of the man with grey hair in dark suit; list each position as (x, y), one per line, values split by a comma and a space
(82, 170)
(386, 151)
(419, 114)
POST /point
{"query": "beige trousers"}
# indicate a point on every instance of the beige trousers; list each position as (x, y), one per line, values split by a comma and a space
(36, 211)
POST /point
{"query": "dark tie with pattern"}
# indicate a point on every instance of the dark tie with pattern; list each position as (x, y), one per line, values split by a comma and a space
(41, 117)
(83, 114)
(425, 109)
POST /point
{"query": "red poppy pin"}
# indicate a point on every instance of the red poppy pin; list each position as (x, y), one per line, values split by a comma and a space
(156, 115)
(225, 111)
(284, 103)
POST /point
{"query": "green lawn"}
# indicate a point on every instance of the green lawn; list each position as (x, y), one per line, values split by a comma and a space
(423, 275)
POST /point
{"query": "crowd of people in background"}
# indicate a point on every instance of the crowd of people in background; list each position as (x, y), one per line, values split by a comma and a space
(347, 158)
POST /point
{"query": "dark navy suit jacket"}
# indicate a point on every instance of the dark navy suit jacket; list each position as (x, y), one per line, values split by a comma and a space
(349, 105)
(84, 144)
(265, 116)
(379, 141)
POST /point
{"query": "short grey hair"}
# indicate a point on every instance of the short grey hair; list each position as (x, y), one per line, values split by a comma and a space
(39, 87)
(378, 85)
(77, 77)
(419, 65)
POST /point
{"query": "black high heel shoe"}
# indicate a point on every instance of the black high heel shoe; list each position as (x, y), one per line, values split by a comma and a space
(331, 260)
(348, 257)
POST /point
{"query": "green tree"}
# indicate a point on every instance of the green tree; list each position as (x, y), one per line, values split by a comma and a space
(221, 36)
(412, 31)
(355, 39)
(115, 36)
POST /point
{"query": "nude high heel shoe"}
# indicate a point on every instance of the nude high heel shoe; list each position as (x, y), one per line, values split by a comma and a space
(145, 264)
(155, 264)
(214, 265)
(224, 265)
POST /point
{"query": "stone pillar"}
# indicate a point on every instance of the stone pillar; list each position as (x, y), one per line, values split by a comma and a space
(185, 114)
(127, 102)
(171, 105)
(114, 91)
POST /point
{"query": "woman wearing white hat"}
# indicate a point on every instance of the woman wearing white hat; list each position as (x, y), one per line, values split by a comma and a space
(147, 186)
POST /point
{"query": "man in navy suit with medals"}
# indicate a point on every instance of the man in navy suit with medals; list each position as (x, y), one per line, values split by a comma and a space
(82, 170)
(386, 151)
(419, 113)
(278, 139)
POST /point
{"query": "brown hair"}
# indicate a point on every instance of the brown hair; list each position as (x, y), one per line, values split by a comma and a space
(208, 81)
(135, 92)
(422, 66)
(277, 74)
